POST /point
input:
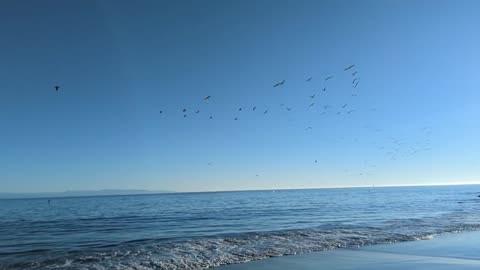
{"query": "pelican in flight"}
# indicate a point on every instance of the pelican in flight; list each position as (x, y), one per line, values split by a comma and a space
(56, 87)
(354, 73)
(254, 108)
(280, 83)
(289, 109)
(265, 112)
(211, 117)
(312, 96)
(161, 111)
(184, 110)
(239, 109)
(324, 89)
(184, 116)
(309, 79)
(355, 85)
(197, 111)
(328, 78)
(354, 80)
(236, 118)
(352, 66)
(345, 105)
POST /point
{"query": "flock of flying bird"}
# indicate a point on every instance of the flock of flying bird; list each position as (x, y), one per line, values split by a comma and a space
(394, 150)
(355, 82)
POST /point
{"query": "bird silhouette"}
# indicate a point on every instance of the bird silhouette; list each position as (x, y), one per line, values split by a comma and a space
(324, 89)
(207, 97)
(328, 78)
(289, 109)
(349, 112)
(184, 115)
(312, 96)
(309, 79)
(280, 83)
(349, 67)
(345, 105)
(354, 80)
(239, 109)
(56, 87)
(211, 117)
(311, 105)
(197, 111)
(254, 108)
(236, 118)
(356, 85)
(184, 110)
(161, 111)
(354, 73)
(265, 112)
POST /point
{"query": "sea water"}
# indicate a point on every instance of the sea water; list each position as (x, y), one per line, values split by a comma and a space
(203, 230)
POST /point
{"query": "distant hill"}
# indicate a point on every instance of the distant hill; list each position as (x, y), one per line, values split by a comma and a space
(79, 193)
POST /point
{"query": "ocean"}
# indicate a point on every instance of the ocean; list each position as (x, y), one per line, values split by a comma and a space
(204, 230)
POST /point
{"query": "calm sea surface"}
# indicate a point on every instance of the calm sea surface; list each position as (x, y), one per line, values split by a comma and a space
(202, 230)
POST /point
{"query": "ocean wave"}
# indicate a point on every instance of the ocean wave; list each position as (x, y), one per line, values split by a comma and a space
(211, 252)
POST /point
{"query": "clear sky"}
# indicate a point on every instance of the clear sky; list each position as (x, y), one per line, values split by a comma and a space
(416, 118)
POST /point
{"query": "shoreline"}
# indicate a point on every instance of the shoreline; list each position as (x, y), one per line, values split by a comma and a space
(443, 252)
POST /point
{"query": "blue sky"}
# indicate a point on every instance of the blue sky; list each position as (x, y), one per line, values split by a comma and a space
(416, 118)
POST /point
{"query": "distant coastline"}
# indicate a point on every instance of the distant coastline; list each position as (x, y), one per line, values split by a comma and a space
(79, 193)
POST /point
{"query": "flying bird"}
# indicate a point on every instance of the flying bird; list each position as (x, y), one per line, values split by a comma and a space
(311, 105)
(308, 128)
(184, 110)
(356, 85)
(207, 97)
(239, 109)
(313, 96)
(349, 67)
(211, 117)
(197, 111)
(345, 105)
(289, 109)
(184, 115)
(309, 79)
(265, 112)
(349, 112)
(254, 108)
(161, 111)
(280, 83)
(354, 80)
(236, 118)
(56, 87)
(339, 113)
(354, 73)
(328, 78)
(324, 89)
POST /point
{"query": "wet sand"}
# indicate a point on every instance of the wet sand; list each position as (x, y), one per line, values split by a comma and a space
(452, 251)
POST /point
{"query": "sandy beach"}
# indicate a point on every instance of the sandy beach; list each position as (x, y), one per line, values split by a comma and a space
(452, 251)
